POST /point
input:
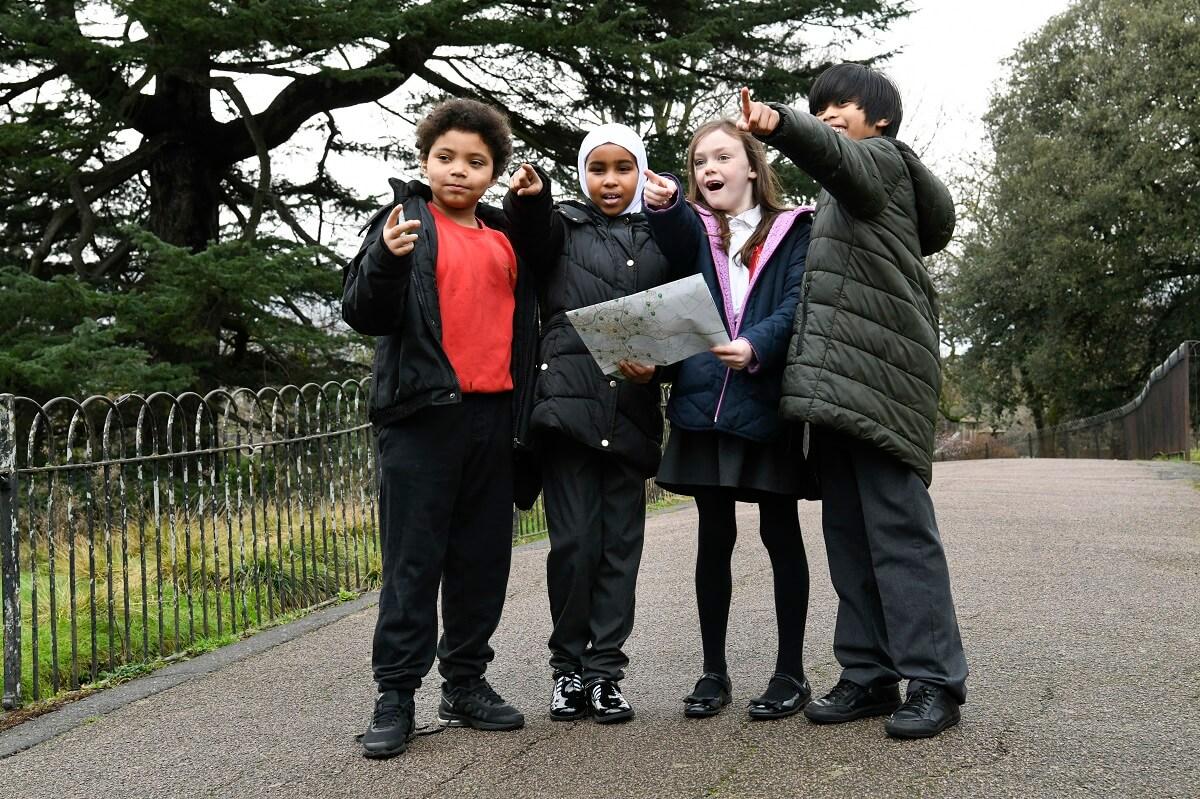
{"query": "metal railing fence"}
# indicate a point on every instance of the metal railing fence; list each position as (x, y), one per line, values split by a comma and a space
(139, 527)
(1162, 420)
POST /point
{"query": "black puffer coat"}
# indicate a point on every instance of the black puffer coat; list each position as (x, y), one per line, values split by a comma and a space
(864, 357)
(583, 257)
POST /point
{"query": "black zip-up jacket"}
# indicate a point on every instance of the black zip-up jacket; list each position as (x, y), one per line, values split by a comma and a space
(396, 299)
(583, 257)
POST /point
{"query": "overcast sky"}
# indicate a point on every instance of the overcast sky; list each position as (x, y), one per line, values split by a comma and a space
(951, 63)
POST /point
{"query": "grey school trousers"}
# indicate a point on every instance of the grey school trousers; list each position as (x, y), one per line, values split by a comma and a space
(596, 512)
(896, 615)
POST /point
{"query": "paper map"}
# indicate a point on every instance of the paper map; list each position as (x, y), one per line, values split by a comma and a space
(660, 326)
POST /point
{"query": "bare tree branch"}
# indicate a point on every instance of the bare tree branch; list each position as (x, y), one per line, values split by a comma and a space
(15, 90)
(87, 226)
(264, 155)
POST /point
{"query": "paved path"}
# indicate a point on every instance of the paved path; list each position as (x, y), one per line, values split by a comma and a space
(1078, 590)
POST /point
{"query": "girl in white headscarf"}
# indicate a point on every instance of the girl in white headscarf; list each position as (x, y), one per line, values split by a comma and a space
(599, 436)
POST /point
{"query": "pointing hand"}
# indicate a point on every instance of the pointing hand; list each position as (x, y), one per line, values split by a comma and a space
(757, 118)
(399, 234)
(658, 192)
(525, 181)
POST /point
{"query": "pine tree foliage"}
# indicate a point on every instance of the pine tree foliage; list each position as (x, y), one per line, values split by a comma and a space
(148, 227)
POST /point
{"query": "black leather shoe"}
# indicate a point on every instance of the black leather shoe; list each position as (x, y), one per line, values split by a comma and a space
(568, 701)
(606, 702)
(849, 701)
(713, 691)
(391, 726)
(777, 704)
(927, 711)
(476, 705)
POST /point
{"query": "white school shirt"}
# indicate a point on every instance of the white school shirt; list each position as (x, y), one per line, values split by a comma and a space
(741, 228)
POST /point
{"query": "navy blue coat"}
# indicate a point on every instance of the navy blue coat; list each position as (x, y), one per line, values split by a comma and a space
(706, 395)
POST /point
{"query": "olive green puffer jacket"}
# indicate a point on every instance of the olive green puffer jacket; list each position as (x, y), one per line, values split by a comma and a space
(863, 358)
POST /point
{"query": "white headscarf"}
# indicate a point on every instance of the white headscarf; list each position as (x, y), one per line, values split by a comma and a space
(622, 136)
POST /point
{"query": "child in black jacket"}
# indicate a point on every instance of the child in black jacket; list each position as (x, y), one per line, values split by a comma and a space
(599, 436)
(438, 282)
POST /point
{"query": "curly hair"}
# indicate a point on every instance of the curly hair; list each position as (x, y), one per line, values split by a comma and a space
(468, 116)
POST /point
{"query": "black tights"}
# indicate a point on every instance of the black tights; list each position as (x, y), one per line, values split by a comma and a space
(779, 527)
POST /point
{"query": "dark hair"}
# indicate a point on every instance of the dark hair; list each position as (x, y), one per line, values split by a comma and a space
(869, 89)
(468, 116)
(765, 188)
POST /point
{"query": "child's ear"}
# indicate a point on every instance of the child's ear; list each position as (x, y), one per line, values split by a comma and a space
(881, 124)
(752, 174)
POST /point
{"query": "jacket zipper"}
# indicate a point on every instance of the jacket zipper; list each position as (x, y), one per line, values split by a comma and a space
(456, 394)
(720, 399)
(737, 327)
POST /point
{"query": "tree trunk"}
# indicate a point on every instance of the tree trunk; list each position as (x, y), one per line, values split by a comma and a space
(184, 196)
(184, 182)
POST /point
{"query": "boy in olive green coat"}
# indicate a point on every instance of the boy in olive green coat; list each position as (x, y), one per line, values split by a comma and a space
(863, 370)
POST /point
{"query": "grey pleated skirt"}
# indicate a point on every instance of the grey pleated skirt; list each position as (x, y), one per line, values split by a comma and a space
(698, 460)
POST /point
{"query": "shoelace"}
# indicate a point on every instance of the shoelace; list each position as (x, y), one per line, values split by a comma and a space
(609, 698)
(921, 699)
(840, 691)
(386, 714)
(485, 692)
(568, 683)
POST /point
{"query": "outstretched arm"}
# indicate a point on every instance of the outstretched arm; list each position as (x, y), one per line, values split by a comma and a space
(529, 206)
(676, 228)
(848, 169)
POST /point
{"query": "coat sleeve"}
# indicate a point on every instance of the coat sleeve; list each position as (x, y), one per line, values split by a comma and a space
(536, 231)
(860, 175)
(375, 284)
(769, 337)
(678, 232)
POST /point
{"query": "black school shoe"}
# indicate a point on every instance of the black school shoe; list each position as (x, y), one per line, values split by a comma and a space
(606, 702)
(713, 691)
(927, 711)
(849, 701)
(476, 705)
(785, 696)
(391, 726)
(568, 702)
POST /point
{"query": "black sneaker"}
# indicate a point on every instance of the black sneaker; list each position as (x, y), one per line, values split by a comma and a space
(477, 705)
(391, 726)
(849, 701)
(568, 702)
(606, 702)
(927, 711)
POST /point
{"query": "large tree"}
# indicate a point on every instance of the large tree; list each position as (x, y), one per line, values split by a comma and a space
(142, 191)
(1081, 270)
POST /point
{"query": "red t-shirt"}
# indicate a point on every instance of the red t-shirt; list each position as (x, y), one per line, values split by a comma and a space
(476, 275)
